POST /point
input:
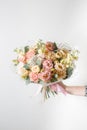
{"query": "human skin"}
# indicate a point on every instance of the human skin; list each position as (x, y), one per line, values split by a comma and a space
(73, 90)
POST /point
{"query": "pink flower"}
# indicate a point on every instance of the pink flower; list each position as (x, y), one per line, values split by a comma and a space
(50, 46)
(45, 76)
(47, 64)
(33, 77)
(30, 54)
(21, 58)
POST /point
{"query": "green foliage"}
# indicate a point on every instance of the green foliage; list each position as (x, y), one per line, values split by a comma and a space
(53, 79)
(26, 66)
(27, 81)
(40, 44)
(38, 62)
(41, 82)
(15, 61)
(69, 72)
(26, 49)
(55, 46)
(18, 50)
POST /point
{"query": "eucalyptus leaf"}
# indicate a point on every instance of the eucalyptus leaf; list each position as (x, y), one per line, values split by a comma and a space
(38, 62)
(26, 66)
(69, 71)
(27, 81)
(26, 49)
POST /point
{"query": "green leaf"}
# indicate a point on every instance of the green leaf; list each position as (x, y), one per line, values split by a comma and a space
(15, 61)
(38, 62)
(40, 44)
(53, 79)
(26, 49)
(27, 81)
(55, 46)
(69, 71)
(41, 82)
(18, 50)
(26, 66)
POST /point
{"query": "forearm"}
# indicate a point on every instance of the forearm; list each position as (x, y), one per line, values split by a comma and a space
(76, 90)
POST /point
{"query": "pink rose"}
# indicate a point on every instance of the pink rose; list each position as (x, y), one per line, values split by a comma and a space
(47, 64)
(30, 54)
(21, 58)
(50, 46)
(33, 77)
(45, 76)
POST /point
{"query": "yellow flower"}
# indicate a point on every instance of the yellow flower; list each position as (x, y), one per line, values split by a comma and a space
(24, 72)
(68, 62)
(58, 55)
(35, 69)
(61, 54)
(50, 55)
(40, 51)
(62, 74)
(59, 66)
(60, 70)
(75, 54)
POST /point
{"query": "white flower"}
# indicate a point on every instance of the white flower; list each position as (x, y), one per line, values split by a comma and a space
(19, 68)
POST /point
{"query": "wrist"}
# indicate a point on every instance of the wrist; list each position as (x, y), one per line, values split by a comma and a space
(67, 88)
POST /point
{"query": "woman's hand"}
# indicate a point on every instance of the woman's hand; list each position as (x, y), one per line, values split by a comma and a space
(73, 90)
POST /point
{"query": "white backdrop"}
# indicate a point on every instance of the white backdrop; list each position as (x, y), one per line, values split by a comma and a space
(30, 20)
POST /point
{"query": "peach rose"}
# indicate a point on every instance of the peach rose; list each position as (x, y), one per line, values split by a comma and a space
(59, 67)
(45, 76)
(47, 64)
(50, 46)
(30, 54)
(33, 77)
(21, 58)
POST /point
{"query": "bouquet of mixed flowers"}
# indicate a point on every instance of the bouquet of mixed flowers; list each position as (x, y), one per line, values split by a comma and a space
(45, 63)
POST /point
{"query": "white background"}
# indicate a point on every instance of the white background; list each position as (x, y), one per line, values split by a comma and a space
(29, 20)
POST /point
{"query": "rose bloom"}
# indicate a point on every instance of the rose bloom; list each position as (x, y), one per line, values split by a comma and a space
(21, 58)
(33, 77)
(47, 64)
(61, 70)
(59, 67)
(35, 69)
(58, 54)
(51, 55)
(50, 46)
(45, 76)
(30, 54)
(61, 54)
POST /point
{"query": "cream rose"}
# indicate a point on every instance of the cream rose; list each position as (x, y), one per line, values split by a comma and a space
(35, 69)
